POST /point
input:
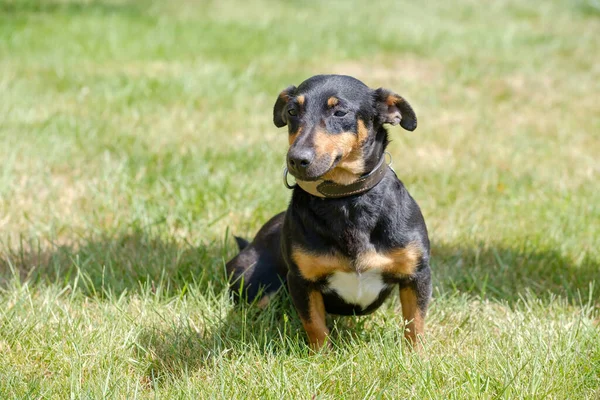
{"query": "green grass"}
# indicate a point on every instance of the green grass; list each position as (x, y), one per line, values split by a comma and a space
(136, 138)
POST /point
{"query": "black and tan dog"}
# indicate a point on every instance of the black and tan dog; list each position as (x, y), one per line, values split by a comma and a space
(352, 232)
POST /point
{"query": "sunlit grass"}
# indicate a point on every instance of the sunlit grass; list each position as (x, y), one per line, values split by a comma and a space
(136, 138)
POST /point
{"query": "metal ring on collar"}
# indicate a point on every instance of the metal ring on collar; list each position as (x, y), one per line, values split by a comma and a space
(390, 163)
(387, 153)
(285, 181)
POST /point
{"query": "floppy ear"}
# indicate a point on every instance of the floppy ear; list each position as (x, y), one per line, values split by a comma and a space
(279, 117)
(393, 109)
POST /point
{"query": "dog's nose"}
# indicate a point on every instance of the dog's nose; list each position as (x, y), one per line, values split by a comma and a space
(299, 160)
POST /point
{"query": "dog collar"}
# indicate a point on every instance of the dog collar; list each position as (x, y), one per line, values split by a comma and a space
(329, 189)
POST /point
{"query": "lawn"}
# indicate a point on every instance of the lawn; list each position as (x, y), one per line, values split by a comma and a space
(136, 138)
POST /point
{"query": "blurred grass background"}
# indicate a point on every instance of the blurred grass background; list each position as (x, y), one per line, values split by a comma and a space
(136, 137)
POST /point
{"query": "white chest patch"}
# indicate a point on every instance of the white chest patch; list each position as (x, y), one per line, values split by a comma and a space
(361, 289)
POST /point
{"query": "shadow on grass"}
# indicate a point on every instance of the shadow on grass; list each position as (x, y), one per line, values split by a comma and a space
(243, 333)
(184, 348)
(111, 265)
(140, 261)
(493, 272)
(507, 274)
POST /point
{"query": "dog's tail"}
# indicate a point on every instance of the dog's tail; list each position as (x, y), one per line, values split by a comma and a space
(241, 242)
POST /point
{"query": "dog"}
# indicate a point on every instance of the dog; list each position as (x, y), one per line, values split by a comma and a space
(352, 232)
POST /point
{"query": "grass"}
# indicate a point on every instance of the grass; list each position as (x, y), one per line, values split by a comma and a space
(136, 138)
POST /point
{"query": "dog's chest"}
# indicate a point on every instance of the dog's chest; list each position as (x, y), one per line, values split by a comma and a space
(354, 288)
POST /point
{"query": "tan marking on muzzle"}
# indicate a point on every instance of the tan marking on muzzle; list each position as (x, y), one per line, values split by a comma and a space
(293, 136)
(352, 164)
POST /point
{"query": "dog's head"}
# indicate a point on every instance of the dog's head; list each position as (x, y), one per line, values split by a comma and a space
(335, 125)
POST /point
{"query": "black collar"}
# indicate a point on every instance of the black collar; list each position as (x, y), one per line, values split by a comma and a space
(329, 189)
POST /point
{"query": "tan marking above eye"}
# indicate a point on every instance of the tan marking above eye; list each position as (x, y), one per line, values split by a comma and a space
(332, 101)
(392, 99)
(300, 99)
(284, 95)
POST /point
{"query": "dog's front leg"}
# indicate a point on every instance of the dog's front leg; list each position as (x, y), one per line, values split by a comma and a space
(414, 297)
(311, 309)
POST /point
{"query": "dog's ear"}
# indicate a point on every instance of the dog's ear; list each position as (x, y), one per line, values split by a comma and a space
(393, 109)
(279, 117)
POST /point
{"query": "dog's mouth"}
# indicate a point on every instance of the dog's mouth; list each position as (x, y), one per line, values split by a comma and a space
(317, 169)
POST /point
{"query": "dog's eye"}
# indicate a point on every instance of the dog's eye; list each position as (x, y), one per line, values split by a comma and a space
(292, 112)
(340, 113)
